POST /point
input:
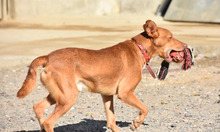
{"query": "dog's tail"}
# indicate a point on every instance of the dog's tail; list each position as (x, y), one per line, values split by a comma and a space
(30, 81)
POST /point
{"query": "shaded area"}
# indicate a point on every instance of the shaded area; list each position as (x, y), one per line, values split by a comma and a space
(87, 125)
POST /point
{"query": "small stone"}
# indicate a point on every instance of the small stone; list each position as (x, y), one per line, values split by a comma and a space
(197, 94)
(33, 119)
(188, 115)
(139, 93)
(173, 125)
(162, 102)
(217, 101)
(205, 125)
(186, 121)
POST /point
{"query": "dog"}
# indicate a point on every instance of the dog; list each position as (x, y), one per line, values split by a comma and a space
(115, 70)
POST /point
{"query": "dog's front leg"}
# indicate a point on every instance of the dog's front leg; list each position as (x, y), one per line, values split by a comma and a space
(109, 109)
(131, 99)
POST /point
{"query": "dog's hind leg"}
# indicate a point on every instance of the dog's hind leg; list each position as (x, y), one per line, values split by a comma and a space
(62, 106)
(40, 107)
(65, 97)
(109, 109)
(63, 90)
(64, 101)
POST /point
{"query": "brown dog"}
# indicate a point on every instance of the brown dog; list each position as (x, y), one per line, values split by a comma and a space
(109, 71)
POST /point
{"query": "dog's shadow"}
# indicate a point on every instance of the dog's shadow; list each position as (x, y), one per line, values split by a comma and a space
(87, 125)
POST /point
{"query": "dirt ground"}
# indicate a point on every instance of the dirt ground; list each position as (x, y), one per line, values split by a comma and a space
(185, 101)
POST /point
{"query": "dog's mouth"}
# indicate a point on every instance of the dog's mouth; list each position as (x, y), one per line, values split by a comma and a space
(169, 58)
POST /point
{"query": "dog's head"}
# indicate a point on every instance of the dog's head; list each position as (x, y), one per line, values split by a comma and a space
(162, 40)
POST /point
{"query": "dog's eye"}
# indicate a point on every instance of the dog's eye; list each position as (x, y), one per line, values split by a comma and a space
(171, 37)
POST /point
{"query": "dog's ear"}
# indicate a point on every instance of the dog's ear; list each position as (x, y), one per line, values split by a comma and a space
(151, 29)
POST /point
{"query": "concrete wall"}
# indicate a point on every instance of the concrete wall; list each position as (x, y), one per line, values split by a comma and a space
(194, 10)
(179, 10)
(139, 6)
(27, 8)
(33, 8)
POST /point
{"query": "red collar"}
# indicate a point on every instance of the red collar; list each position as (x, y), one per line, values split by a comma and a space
(146, 58)
(142, 50)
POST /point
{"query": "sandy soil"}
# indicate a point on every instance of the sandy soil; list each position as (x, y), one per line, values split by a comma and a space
(185, 101)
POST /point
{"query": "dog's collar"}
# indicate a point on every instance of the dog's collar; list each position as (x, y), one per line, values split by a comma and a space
(143, 51)
(146, 57)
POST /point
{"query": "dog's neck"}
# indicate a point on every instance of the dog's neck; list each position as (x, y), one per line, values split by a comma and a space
(145, 41)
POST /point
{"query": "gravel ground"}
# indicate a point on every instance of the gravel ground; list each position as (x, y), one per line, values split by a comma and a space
(185, 101)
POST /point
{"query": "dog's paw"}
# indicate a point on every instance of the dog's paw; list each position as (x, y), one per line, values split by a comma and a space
(133, 127)
(135, 124)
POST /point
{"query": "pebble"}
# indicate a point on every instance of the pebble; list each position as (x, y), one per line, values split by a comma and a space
(173, 125)
(217, 101)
